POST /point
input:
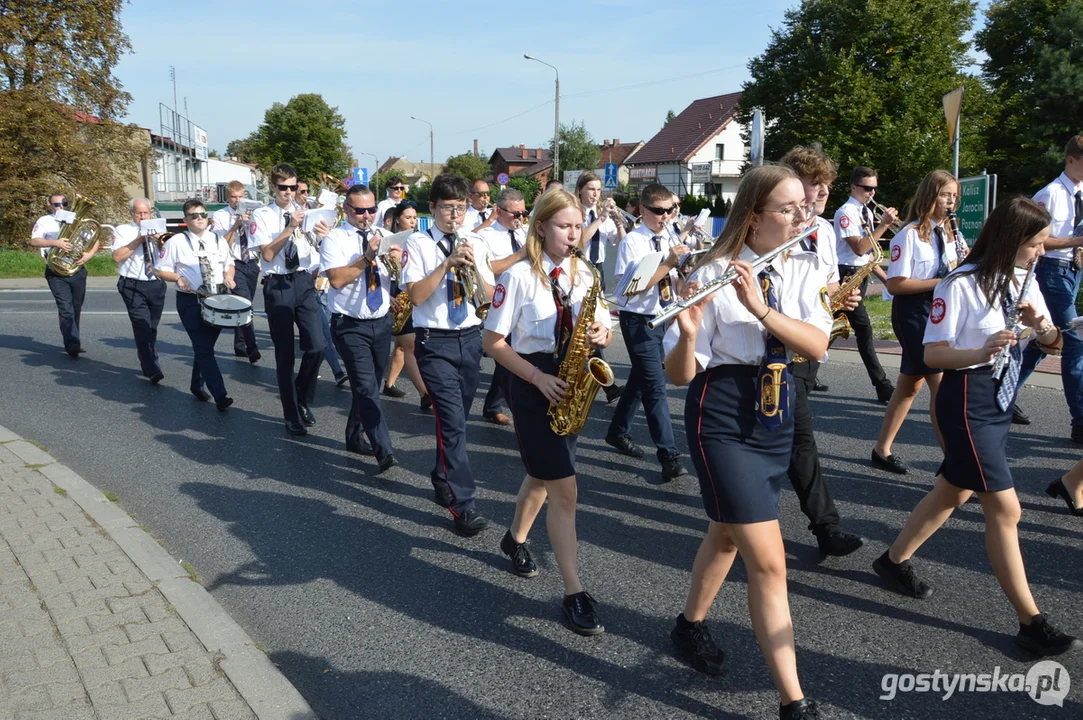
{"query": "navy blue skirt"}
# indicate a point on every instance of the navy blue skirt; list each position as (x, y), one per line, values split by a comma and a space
(546, 455)
(909, 315)
(975, 431)
(741, 464)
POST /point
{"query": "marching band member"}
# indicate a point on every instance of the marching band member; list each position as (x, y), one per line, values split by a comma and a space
(233, 226)
(816, 172)
(1069, 488)
(739, 422)
(141, 289)
(201, 264)
(396, 193)
(921, 255)
(68, 292)
(359, 300)
(322, 288)
(647, 380)
(505, 240)
(479, 215)
(1058, 275)
(403, 218)
(289, 263)
(448, 339)
(599, 230)
(966, 331)
(535, 308)
(854, 228)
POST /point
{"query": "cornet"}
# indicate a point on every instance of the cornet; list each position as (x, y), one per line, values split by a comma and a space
(391, 265)
(878, 211)
(630, 219)
(471, 280)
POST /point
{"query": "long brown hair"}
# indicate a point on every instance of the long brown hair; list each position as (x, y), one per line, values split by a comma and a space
(550, 204)
(756, 185)
(924, 202)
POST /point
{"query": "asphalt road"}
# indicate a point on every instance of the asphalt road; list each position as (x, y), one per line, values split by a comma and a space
(374, 608)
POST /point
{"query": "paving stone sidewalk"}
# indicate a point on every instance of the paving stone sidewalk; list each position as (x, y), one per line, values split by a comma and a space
(84, 633)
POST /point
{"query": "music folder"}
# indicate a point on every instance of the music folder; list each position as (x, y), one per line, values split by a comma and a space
(637, 276)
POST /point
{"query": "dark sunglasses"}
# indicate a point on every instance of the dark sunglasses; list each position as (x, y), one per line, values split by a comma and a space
(197, 216)
(363, 211)
(866, 188)
(61, 204)
(288, 187)
(516, 215)
(660, 210)
(397, 187)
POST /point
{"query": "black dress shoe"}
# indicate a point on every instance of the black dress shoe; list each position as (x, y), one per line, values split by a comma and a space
(341, 379)
(426, 404)
(1018, 416)
(803, 709)
(387, 463)
(1077, 434)
(306, 415)
(820, 387)
(295, 428)
(393, 392)
(694, 643)
(837, 543)
(1041, 638)
(441, 495)
(884, 393)
(157, 377)
(672, 468)
(1056, 489)
(579, 610)
(521, 562)
(891, 463)
(240, 352)
(76, 352)
(901, 577)
(624, 444)
(470, 522)
(223, 402)
(613, 392)
(361, 448)
(254, 356)
(201, 395)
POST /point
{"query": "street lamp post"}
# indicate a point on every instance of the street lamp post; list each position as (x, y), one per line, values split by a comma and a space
(375, 168)
(556, 117)
(432, 163)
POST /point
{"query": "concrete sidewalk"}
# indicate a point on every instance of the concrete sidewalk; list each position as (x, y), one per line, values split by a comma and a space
(97, 621)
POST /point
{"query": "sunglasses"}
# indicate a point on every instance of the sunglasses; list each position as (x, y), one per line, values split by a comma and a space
(292, 188)
(61, 204)
(516, 215)
(400, 188)
(197, 216)
(866, 188)
(363, 211)
(659, 210)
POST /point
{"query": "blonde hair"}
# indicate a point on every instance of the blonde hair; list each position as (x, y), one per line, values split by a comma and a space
(551, 203)
(924, 202)
(756, 185)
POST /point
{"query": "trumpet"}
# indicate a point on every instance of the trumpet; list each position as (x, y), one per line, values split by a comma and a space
(727, 278)
(632, 221)
(471, 280)
(878, 211)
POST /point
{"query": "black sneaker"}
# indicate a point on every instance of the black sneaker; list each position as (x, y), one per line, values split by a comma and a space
(836, 543)
(240, 351)
(901, 577)
(1077, 434)
(1019, 417)
(393, 392)
(223, 403)
(255, 356)
(387, 463)
(201, 395)
(470, 522)
(624, 444)
(1041, 638)
(579, 610)
(672, 468)
(694, 643)
(341, 378)
(521, 562)
(441, 495)
(803, 709)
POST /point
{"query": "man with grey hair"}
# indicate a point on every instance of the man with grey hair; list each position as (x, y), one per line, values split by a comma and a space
(142, 290)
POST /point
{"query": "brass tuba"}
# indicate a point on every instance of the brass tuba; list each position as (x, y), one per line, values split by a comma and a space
(583, 373)
(82, 233)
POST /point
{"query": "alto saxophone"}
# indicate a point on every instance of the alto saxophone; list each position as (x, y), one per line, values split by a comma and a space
(583, 373)
(405, 310)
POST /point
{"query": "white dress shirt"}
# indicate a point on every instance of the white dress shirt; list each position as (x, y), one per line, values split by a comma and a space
(381, 209)
(731, 335)
(608, 235)
(961, 316)
(344, 246)
(476, 217)
(47, 227)
(221, 221)
(420, 258)
(266, 225)
(135, 266)
(182, 253)
(914, 258)
(524, 307)
(850, 221)
(498, 240)
(635, 245)
(1058, 197)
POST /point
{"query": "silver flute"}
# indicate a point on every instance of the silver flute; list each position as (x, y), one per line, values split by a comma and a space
(727, 278)
(1000, 360)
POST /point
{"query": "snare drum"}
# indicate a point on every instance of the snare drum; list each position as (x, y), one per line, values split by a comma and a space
(226, 311)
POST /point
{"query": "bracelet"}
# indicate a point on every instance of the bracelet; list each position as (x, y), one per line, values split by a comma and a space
(533, 374)
(760, 319)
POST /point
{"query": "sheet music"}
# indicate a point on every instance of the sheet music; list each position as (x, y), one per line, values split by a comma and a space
(636, 277)
(327, 199)
(313, 217)
(154, 226)
(65, 216)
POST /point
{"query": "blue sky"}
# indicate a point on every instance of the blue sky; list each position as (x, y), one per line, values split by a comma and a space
(459, 66)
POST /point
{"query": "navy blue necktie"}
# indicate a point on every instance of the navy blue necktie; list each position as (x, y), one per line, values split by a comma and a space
(665, 285)
(456, 293)
(373, 298)
(594, 241)
(774, 356)
(941, 266)
(1010, 378)
(516, 246)
(289, 257)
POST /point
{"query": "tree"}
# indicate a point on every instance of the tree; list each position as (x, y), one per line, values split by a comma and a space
(469, 167)
(242, 149)
(384, 179)
(528, 186)
(213, 154)
(305, 132)
(670, 115)
(578, 151)
(865, 78)
(59, 102)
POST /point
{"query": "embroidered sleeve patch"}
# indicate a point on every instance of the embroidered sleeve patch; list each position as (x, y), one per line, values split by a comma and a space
(938, 311)
(499, 293)
(896, 252)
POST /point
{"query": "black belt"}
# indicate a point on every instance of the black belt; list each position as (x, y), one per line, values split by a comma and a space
(131, 279)
(289, 274)
(440, 332)
(344, 316)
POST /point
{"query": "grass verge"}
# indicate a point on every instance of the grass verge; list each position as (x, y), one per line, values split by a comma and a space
(29, 264)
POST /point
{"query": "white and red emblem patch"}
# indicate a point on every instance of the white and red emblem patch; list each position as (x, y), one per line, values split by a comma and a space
(498, 295)
(896, 252)
(252, 228)
(405, 258)
(844, 222)
(161, 251)
(938, 311)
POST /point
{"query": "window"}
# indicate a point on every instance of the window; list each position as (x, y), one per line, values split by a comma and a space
(720, 152)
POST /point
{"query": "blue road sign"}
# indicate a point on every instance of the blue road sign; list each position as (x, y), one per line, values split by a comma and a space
(611, 176)
(502, 179)
(361, 175)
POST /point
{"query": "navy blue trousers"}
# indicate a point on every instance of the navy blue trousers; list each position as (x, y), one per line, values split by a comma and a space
(646, 382)
(203, 337)
(145, 300)
(68, 292)
(290, 300)
(450, 363)
(246, 277)
(365, 346)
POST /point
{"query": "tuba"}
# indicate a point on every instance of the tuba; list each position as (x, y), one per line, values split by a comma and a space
(83, 233)
(583, 373)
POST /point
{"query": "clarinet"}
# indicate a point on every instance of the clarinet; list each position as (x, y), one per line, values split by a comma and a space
(1000, 362)
(961, 248)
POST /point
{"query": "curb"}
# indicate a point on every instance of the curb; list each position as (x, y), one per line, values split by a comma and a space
(263, 686)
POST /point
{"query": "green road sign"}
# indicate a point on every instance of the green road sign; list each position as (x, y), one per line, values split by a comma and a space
(977, 198)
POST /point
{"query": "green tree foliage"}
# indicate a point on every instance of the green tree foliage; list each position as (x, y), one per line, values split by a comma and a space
(59, 104)
(469, 167)
(670, 115)
(305, 132)
(242, 149)
(865, 78)
(528, 186)
(1033, 63)
(578, 151)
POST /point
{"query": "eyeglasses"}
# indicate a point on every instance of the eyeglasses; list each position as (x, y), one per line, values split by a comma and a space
(948, 196)
(866, 188)
(452, 209)
(196, 216)
(363, 211)
(400, 188)
(480, 192)
(60, 204)
(517, 215)
(659, 210)
(796, 213)
(292, 188)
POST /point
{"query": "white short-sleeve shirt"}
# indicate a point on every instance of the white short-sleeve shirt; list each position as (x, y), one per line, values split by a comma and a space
(497, 239)
(1058, 197)
(343, 246)
(961, 317)
(731, 335)
(420, 258)
(474, 217)
(266, 225)
(381, 209)
(524, 307)
(634, 246)
(912, 257)
(182, 253)
(221, 221)
(47, 228)
(608, 234)
(135, 266)
(825, 248)
(850, 221)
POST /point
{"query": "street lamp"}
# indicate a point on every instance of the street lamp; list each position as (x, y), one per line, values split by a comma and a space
(556, 117)
(375, 169)
(432, 163)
